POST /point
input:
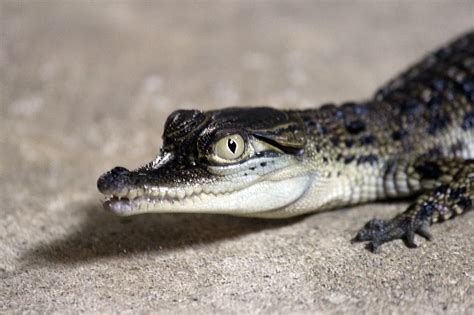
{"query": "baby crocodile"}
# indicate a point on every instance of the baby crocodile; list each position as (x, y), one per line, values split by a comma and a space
(415, 137)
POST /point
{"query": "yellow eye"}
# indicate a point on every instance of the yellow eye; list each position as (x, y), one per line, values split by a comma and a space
(230, 147)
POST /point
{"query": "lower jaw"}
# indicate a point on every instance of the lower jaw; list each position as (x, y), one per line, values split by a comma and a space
(125, 206)
(118, 206)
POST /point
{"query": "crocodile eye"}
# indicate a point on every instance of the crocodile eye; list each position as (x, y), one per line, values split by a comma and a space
(230, 147)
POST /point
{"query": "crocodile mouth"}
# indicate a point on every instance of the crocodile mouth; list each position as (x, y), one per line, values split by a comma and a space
(126, 206)
(258, 197)
(148, 199)
(140, 201)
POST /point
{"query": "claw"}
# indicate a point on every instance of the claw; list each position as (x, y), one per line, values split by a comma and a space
(424, 231)
(374, 247)
(409, 239)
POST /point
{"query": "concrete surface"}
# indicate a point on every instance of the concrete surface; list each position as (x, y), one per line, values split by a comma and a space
(87, 85)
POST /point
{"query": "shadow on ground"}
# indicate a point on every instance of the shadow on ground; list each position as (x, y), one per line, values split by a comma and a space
(102, 234)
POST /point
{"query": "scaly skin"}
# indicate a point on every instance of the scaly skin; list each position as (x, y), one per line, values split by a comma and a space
(415, 137)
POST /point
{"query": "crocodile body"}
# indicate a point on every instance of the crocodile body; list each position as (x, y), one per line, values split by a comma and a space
(415, 137)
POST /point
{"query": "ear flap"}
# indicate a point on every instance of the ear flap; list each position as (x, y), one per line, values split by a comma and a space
(289, 137)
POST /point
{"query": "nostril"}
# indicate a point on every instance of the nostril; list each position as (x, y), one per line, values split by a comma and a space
(114, 181)
(119, 171)
(103, 184)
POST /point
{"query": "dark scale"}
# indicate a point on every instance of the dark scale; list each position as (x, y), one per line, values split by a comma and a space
(438, 123)
(468, 121)
(398, 135)
(349, 142)
(435, 102)
(456, 193)
(434, 153)
(429, 170)
(355, 127)
(368, 139)
(411, 107)
(464, 202)
(457, 148)
(335, 141)
(349, 159)
(370, 159)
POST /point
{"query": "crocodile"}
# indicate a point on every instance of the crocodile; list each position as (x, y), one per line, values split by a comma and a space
(413, 138)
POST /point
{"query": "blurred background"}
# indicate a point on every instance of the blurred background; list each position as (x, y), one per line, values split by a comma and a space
(124, 66)
(87, 85)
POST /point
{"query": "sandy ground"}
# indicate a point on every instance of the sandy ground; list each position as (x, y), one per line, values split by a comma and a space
(86, 86)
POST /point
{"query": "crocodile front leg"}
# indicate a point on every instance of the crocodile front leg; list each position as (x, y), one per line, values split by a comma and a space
(451, 194)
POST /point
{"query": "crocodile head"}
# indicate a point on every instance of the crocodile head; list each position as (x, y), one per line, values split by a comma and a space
(238, 161)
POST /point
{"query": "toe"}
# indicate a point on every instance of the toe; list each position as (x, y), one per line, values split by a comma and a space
(424, 231)
(409, 240)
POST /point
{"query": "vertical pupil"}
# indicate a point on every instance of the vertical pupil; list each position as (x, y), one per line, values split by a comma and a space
(232, 145)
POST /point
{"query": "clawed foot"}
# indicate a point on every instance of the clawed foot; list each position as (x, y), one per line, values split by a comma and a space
(378, 231)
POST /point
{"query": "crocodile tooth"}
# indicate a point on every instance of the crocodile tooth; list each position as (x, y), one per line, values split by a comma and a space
(189, 190)
(132, 194)
(181, 194)
(172, 193)
(207, 189)
(154, 191)
(143, 206)
(122, 194)
(162, 192)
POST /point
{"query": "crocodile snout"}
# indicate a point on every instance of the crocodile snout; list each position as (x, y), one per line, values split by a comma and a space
(114, 182)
